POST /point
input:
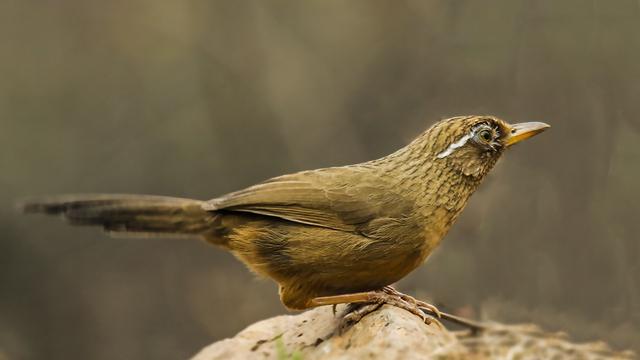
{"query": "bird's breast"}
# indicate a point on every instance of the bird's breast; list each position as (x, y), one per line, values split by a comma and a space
(437, 225)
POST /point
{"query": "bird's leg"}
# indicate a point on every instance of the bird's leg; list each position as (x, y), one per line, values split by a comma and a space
(365, 303)
(373, 300)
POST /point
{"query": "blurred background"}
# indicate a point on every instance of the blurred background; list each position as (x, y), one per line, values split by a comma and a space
(198, 98)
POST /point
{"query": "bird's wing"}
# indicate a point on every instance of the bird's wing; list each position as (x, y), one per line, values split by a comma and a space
(345, 198)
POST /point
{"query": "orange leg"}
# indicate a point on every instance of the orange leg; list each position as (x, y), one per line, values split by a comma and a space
(362, 297)
(373, 300)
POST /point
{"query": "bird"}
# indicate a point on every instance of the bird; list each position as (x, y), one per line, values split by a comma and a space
(336, 235)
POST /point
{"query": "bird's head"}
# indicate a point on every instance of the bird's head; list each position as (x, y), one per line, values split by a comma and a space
(471, 145)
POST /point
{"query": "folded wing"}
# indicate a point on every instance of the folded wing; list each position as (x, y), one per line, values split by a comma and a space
(346, 198)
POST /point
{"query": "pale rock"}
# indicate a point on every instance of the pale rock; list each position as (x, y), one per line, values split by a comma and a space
(392, 333)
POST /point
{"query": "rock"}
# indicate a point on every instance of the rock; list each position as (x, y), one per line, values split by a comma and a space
(392, 333)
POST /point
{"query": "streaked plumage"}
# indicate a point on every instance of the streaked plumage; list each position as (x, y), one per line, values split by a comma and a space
(329, 231)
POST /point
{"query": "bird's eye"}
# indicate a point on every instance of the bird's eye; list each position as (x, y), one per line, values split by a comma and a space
(485, 135)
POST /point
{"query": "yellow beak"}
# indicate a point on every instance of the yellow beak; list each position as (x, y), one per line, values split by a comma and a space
(524, 131)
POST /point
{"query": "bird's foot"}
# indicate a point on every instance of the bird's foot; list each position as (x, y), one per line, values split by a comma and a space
(473, 326)
(364, 303)
(356, 311)
(432, 309)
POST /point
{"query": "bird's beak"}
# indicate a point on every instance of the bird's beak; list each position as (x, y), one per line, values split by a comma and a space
(524, 131)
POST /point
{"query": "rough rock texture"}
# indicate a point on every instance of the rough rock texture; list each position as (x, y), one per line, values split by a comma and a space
(392, 333)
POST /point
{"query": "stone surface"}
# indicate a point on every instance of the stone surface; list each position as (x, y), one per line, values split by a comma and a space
(392, 333)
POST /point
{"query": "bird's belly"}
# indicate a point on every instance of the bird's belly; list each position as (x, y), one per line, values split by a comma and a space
(327, 261)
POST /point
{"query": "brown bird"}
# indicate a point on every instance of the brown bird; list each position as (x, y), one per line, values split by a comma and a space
(334, 235)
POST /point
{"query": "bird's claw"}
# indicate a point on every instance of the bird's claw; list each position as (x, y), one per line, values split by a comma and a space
(391, 296)
(420, 304)
(355, 312)
(372, 301)
(429, 307)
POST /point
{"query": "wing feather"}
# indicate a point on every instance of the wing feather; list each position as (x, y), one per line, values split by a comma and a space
(345, 198)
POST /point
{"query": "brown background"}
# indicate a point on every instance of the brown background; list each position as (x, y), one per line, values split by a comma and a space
(197, 98)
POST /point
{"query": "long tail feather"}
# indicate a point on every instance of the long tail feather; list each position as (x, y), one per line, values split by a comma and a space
(128, 213)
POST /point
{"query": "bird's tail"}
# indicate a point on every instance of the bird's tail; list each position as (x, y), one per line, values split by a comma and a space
(142, 214)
